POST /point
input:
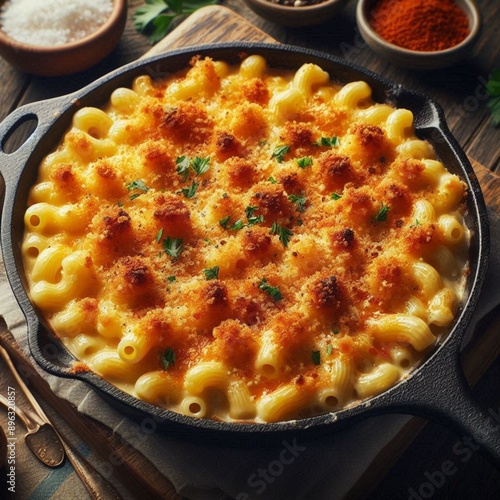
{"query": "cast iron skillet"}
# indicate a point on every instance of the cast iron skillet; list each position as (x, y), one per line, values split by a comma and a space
(436, 389)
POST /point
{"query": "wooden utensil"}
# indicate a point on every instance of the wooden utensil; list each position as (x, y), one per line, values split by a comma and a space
(98, 487)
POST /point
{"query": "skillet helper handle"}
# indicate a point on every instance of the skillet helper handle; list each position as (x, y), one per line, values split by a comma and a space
(42, 115)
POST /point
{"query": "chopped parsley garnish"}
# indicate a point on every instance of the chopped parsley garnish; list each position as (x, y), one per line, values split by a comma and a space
(251, 218)
(283, 233)
(304, 162)
(200, 165)
(159, 235)
(273, 291)
(190, 191)
(167, 358)
(137, 186)
(182, 169)
(417, 223)
(225, 221)
(300, 201)
(171, 279)
(316, 357)
(173, 247)
(335, 196)
(280, 152)
(239, 224)
(272, 180)
(212, 274)
(382, 213)
(329, 349)
(329, 142)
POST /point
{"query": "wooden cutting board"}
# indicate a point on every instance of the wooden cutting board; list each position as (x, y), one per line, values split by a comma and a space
(219, 24)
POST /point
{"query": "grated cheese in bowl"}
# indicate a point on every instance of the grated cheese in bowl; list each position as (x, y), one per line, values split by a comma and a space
(53, 22)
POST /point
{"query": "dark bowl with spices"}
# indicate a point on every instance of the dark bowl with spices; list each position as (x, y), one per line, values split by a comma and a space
(419, 35)
(297, 13)
(56, 37)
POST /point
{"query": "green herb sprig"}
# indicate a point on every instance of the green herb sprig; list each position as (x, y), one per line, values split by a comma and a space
(137, 186)
(283, 233)
(300, 201)
(280, 152)
(173, 247)
(239, 224)
(167, 358)
(316, 357)
(273, 291)
(157, 17)
(304, 162)
(197, 164)
(493, 102)
(328, 142)
(211, 273)
(382, 213)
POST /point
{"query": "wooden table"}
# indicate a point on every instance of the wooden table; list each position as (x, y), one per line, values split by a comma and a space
(422, 449)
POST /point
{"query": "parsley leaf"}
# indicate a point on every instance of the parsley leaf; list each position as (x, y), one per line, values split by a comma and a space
(280, 152)
(382, 213)
(167, 358)
(329, 142)
(252, 220)
(335, 196)
(300, 201)
(272, 180)
(493, 102)
(190, 192)
(316, 357)
(329, 349)
(159, 235)
(173, 247)
(225, 221)
(137, 186)
(237, 225)
(283, 233)
(304, 162)
(212, 274)
(273, 291)
(156, 17)
(200, 165)
(182, 169)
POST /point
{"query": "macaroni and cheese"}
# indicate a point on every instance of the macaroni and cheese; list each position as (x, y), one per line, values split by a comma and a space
(245, 243)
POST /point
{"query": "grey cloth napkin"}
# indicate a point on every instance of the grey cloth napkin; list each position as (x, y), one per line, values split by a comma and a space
(296, 468)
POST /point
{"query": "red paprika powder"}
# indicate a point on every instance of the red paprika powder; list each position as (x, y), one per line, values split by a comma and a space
(422, 25)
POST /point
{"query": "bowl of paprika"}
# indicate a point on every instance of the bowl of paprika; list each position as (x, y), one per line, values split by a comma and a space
(419, 35)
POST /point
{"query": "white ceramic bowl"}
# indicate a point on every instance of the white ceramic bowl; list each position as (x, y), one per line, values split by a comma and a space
(417, 59)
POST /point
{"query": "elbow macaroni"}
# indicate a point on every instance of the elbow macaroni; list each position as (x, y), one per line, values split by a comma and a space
(245, 243)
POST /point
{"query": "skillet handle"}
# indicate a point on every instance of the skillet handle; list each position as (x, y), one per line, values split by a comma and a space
(42, 114)
(454, 407)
